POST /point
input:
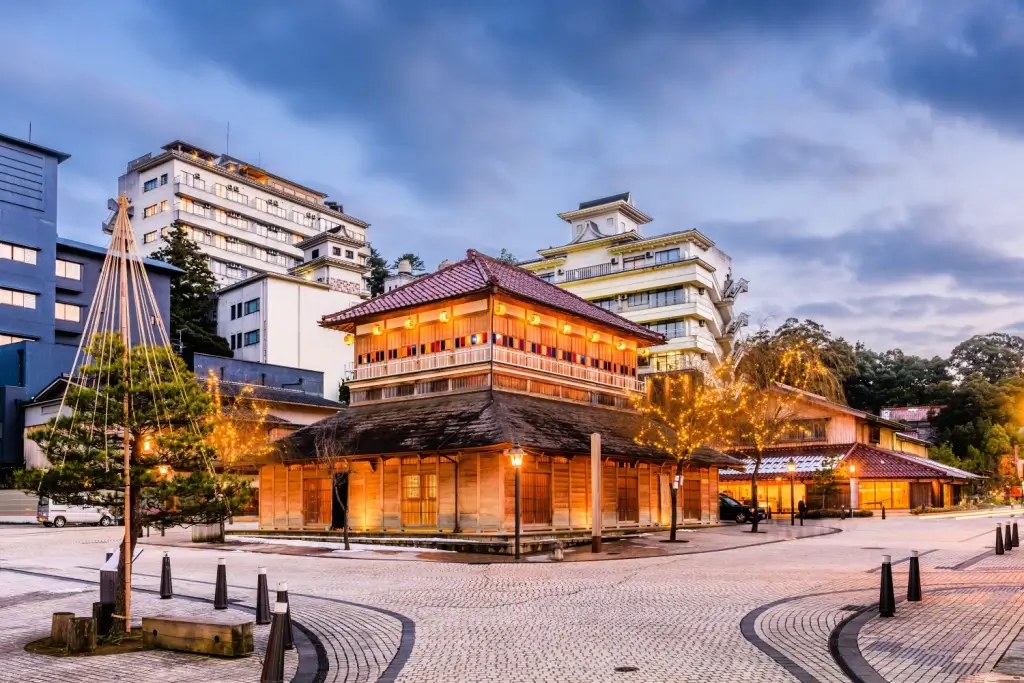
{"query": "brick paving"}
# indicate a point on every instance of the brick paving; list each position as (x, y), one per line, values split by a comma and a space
(674, 618)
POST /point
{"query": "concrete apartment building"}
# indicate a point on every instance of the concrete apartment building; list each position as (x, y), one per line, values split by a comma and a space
(246, 219)
(678, 284)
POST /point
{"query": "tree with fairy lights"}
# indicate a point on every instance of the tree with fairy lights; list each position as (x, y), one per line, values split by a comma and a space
(239, 426)
(685, 411)
(774, 378)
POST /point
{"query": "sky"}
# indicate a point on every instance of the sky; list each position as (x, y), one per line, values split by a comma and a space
(858, 159)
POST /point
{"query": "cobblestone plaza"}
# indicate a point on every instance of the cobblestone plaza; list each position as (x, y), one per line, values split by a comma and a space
(731, 607)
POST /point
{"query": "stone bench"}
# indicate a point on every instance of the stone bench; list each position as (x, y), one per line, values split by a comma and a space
(224, 637)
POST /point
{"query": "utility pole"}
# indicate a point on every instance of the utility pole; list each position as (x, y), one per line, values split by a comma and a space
(126, 341)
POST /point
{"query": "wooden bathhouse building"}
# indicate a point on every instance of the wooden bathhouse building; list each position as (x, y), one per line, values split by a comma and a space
(453, 370)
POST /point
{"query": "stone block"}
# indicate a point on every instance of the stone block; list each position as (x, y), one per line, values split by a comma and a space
(212, 636)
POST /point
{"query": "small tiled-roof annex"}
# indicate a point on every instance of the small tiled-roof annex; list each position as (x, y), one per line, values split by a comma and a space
(479, 273)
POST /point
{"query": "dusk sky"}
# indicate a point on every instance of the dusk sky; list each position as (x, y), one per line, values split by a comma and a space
(860, 161)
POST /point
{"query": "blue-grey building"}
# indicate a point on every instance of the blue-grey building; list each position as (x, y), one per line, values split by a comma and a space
(46, 285)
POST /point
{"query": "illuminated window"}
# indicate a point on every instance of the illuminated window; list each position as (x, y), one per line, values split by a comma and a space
(316, 501)
(419, 499)
(15, 253)
(12, 297)
(535, 497)
(68, 312)
(69, 270)
(11, 339)
(150, 211)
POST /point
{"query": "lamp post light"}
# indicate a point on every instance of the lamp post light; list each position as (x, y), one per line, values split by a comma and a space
(791, 466)
(515, 456)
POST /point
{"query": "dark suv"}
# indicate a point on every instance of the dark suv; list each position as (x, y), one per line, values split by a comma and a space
(730, 509)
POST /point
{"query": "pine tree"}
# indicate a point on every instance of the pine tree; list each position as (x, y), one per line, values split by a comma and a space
(378, 272)
(415, 261)
(165, 428)
(193, 306)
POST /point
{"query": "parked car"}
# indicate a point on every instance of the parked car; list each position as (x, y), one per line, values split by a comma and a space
(58, 515)
(731, 509)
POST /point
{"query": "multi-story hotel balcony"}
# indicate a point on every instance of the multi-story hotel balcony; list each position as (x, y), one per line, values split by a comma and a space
(190, 185)
(499, 354)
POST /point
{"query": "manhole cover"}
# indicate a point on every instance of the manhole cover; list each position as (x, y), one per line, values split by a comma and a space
(626, 669)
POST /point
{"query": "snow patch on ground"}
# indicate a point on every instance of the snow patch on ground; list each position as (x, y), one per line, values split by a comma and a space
(335, 546)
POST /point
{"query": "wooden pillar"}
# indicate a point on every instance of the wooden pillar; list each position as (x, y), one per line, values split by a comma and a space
(595, 485)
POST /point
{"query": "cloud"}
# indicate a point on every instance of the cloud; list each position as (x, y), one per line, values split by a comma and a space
(967, 61)
(783, 157)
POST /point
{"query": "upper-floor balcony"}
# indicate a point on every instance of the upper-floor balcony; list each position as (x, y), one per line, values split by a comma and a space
(309, 220)
(617, 265)
(498, 354)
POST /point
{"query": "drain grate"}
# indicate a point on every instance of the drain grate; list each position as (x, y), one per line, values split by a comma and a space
(626, 669)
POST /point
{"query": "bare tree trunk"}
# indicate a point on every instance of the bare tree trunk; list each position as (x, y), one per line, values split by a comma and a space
(119, 625)
(753, 493)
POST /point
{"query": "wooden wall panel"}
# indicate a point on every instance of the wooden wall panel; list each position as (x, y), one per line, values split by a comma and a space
(705, 496)
(281, 497)
(609, 498)
(392, 503)
(373, 477)
(469, 491)
(492, 492)
(356, 500)
(579, 493)
(713, 483)
(644, 495)
(560, 494)
(267, 496)
(295, 520)
(665, 495)
(446, 494)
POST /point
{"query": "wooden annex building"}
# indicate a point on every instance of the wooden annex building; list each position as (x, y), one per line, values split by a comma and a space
(455, 368)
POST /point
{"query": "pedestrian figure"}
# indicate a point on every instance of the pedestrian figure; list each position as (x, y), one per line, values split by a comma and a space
(802, 509)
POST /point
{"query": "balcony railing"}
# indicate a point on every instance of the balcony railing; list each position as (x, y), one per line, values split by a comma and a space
(573, 370)
(433, 361)
(587, 272)
(221, 191)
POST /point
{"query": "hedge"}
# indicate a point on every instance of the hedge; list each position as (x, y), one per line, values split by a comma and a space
(827, 513)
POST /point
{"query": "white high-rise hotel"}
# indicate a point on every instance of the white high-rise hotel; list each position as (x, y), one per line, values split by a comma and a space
(247, 220)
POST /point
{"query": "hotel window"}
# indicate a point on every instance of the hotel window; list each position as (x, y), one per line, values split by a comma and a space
(667, 256)
(165, 205)
(16, 253)
(11, 339)
(149, 237)
(874, 434)
(69, 270)
(68, 312)
(419, 499)
(150, 211)
(670, 328)
(547, 277)
(606, 304)
(252, 306)
(628, 504)
(149, 185)
(12, 297)
(668, 297)
(349, 253)
(634, 262)
(252, 337)
(536, 497)
(237, 338)
(336, 251)
(315, 253)
(163, 179)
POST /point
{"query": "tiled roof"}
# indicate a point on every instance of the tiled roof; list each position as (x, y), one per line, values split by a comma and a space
(910, 413)
(870, 463)
(279, 395)
(478, 420)
(477, 273)
(621, 197)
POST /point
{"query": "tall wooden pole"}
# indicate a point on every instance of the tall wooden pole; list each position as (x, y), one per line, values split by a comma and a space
(595, 488)
(126, 341)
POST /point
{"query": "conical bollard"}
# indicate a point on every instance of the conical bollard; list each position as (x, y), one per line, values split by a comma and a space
(1007, 541)
(220, 593)
(914, 582)
(282, 597)
(886, 597)
(999, 538)
(1014, 537)
(166, 591)
(262, 598)
(273, 659)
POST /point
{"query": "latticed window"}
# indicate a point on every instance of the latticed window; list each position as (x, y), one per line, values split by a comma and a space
(316, 501)
(535, 497)
(419, 500)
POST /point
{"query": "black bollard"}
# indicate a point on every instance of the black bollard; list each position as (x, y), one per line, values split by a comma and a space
(1014, 537)
(999, 538)
(883, 512)
(886, 597)
(273, 659)
(282, 597)
(914, 582)
(220, 593)
(1007, 541)
(262, 598)
(166, 592)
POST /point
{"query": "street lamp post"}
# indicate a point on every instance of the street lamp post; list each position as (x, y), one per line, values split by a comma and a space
(791, 466)
(854, 498)
(516, 458)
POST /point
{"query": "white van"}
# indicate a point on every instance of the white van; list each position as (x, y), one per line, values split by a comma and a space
(58, 515)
